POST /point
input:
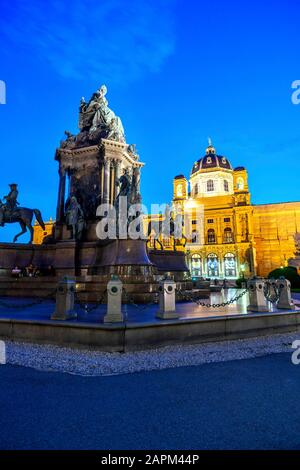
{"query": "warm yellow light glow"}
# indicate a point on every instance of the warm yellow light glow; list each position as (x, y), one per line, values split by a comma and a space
(179, 190)
(190, 204)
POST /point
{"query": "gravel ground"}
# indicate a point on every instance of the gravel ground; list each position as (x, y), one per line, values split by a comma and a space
(95, 363)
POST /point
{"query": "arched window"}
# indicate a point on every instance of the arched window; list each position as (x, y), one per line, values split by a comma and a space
(211, 236)
(228, 235)
(196, 189)
(240, 183)
(226, 186)
(179, 190)
(229, 265)
(196, 265)
(210, 185)
(212, 265)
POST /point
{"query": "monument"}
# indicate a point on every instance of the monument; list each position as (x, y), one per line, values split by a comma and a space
(96, 168)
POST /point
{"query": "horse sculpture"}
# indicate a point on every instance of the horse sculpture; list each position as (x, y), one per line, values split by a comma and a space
(23, 216)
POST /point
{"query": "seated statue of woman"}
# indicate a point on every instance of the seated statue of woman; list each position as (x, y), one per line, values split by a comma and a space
(103, 114)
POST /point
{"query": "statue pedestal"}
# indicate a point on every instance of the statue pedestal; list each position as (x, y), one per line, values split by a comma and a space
(124, 257)
(65, 261)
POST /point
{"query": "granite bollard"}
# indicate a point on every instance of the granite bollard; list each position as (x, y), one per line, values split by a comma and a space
(65, 298)
(167, 304)
(285, 298)
(258, 302)
(114, 301)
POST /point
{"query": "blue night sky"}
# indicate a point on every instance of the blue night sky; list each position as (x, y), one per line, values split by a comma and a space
(176, 71)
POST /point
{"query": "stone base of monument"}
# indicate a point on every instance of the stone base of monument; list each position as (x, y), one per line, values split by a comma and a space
(92, 264)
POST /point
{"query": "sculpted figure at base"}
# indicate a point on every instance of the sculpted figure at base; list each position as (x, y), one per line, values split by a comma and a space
(75, 217)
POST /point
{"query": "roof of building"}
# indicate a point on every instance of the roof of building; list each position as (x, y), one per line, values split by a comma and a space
(238, 168)
(211, 161)
(179, 177)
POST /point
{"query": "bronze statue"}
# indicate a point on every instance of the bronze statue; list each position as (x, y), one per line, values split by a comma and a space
(11, 203)
(11, 213)
(75, 217)
(124, 182)
(96, 115)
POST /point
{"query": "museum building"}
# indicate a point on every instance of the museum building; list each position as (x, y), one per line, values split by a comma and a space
(239, 238)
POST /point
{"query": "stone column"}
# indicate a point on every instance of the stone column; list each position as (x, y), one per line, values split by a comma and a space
(101, 184)
(61, 196)
(106, 181)
(116, 178)
(112, 182)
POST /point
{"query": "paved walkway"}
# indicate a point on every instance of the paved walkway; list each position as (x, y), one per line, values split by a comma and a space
(246, 404)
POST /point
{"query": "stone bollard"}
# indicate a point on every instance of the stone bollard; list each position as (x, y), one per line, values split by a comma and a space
(258, 302)
(65, 297)
(114, 301)
(285, 298)
(167, 305)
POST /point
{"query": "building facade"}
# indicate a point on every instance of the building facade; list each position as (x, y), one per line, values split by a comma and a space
(232, 237)
(237, 238)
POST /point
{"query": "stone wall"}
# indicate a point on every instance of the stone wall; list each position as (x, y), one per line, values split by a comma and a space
(274, 227)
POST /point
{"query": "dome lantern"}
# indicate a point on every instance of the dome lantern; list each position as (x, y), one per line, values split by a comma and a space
(210, 149)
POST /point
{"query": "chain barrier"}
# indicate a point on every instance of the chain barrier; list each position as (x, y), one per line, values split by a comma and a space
(272, 297)
(129, 300)
(90, 308)
(190, 298)
(30, 304)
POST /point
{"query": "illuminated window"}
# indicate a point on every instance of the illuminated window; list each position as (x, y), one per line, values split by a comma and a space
(211, 236)
(228, 235)
(194, 236)
(196, 265)
(210, 185)
(229, 265)
(240, 183)
(212, 265)
(226, 186)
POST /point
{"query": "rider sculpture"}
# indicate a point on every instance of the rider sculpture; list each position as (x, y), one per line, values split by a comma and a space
(10, 205)
(11, 213)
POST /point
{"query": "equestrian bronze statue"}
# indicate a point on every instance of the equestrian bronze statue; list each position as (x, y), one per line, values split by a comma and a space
(10, 213)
